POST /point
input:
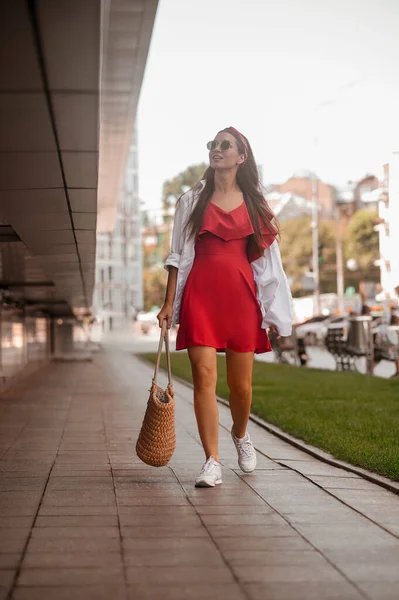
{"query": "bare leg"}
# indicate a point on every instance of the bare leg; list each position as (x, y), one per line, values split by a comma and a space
(239, 380)
(204, 370)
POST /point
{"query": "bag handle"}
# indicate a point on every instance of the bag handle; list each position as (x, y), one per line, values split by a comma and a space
(164, 336)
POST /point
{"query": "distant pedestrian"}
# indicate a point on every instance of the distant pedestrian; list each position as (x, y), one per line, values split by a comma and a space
(226, 287)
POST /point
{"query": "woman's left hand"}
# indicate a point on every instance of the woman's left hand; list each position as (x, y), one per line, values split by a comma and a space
(273, 330)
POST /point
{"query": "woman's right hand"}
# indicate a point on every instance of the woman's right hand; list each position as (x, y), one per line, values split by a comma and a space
(165, 313)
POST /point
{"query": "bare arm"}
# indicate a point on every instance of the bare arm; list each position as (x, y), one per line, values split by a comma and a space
(167, 308)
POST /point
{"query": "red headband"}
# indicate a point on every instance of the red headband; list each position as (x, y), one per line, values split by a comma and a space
(242, 138)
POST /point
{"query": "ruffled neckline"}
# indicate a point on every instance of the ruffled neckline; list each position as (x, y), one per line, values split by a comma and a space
(231, 225)
(227, 225)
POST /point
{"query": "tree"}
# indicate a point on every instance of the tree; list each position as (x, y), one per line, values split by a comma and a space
(174, 188)
(361, 241)
(154, 282)
(296, 253)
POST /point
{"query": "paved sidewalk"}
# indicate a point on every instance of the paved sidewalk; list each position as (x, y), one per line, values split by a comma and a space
(82, 518)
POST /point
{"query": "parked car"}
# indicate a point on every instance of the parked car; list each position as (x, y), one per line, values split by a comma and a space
(313, 332)
(147, 320)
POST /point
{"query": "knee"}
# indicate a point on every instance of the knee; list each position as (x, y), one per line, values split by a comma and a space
(204, 377)
(240, 388)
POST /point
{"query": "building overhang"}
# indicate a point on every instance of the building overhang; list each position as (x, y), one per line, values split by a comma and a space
(70, 78)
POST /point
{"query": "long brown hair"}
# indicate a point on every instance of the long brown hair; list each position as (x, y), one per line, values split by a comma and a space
(247, 178)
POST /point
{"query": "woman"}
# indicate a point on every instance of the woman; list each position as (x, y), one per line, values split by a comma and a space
(226, 286)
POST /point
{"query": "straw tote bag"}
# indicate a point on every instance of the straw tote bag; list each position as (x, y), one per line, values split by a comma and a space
(157, 439)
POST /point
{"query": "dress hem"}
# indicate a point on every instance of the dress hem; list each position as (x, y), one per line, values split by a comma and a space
(261, 350)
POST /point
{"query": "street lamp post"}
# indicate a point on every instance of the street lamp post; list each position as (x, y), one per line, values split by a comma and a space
(315, 222)
(315, 245)
(339, 259)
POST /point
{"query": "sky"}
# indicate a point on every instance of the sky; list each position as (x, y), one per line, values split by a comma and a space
(313, 84)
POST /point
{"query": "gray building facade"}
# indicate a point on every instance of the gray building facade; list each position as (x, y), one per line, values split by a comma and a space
(118, 291)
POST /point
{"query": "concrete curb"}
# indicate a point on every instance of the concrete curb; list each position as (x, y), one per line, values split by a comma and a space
(384, 482)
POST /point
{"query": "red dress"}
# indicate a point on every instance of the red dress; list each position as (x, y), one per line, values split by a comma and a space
(219, 306)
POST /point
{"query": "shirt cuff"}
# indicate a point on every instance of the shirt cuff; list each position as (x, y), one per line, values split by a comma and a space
(284, 329)
(173, 260)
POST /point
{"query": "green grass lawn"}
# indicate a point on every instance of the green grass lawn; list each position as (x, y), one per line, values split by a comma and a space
(352, 416)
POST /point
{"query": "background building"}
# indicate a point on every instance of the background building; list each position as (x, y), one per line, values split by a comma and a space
(70, 80)
(300, 184)
(119, 273)
(389, 229)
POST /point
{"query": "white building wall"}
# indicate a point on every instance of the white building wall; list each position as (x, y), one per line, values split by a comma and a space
(389, 231)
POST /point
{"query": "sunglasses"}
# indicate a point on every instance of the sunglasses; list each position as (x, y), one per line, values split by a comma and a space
(224, 145)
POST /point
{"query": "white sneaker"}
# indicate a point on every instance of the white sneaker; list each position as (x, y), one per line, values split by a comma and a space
(211, 474)
(246, 452)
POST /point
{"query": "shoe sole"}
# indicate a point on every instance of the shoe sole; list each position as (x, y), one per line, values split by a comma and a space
(247, 470)
(205, 484)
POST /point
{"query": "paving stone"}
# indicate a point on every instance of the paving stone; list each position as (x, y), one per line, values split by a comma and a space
(164, 531)
(14, 533)
(326, 518)
(383, 590)
(169, 545)
(86, 592)
(250, 531)
(80, 468)
(77, 521)
(303, 591)
(206, 557)
(18, 499)
(70, 576)
(153, 501)
(82, 498)
(80, 483)
(380, 570)
(288, 573)
(392, 527)
(270, 518)
(160, 520)
(14, 484)
(193, 591)
(167, 496)
(53, 533)
(130, 485)
(172, 575)
(77, 510)
(274, 557)
(24, 522)
(13, 470)
(68, 559)
(332, 483)
(164, 511)
(9, 561)
(234, 500)
(18, 511)
(74, 545)
(101, 472)
(315, 467)
(6, 577)
(334, 537)
(260, 509)
(263, 543)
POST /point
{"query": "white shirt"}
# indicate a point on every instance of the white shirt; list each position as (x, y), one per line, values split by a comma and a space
(272, 289)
